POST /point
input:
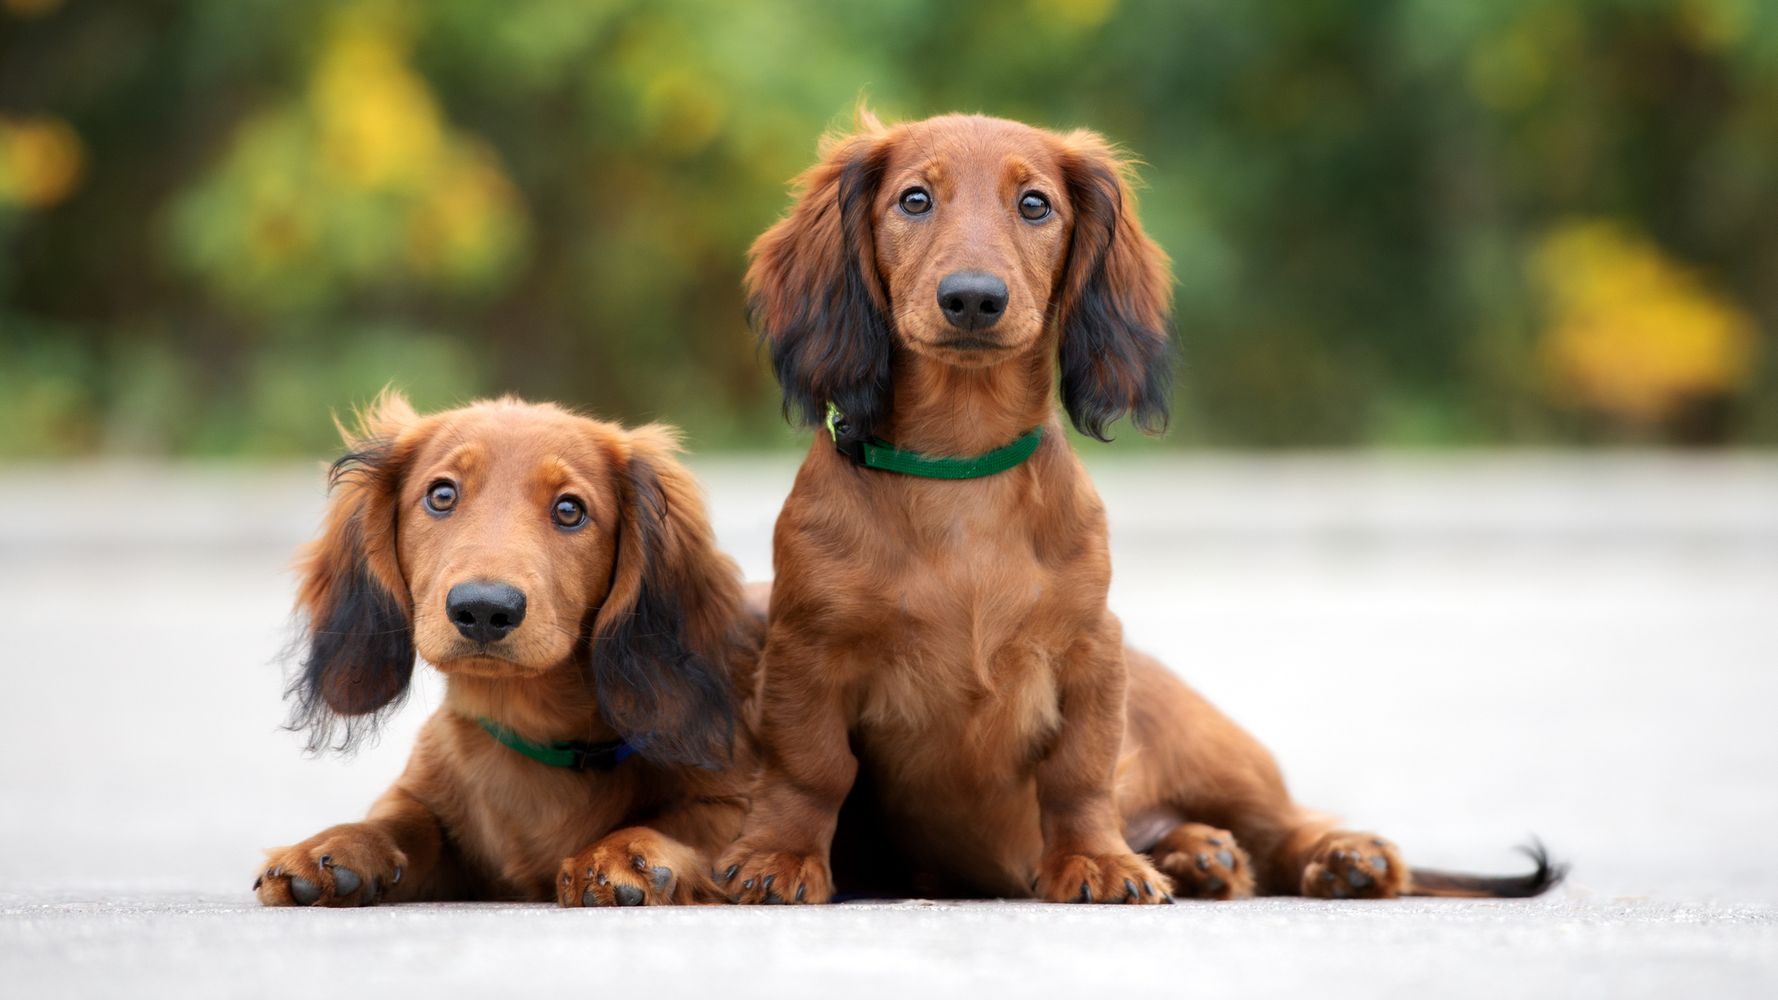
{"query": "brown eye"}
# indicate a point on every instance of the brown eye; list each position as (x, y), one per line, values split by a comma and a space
(1034, 207)
(441, 497)
(569, 512)
(915, 201)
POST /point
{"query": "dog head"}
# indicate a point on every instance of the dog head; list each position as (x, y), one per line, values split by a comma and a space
(970, 241)
(504, 541)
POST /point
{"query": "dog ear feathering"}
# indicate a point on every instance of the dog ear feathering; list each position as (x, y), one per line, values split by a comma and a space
(814, 294)
(1115, 301)
(357, 646)
(665, 634)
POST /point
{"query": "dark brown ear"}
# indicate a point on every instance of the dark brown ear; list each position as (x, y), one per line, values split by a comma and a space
(669, 632)
(357, 645)
(814, 295)
(1115, 306)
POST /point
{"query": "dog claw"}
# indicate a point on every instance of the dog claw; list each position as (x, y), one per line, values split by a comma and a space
(1086, 893)
(733, 870)
(801, 890)
(258, 882)
(397, 879)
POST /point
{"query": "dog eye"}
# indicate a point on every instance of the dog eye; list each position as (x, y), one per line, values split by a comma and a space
(915, 201)
(1034, 207)
(569, 512)
(441, 497)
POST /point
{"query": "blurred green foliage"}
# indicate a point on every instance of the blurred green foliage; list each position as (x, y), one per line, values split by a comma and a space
(1393, 221)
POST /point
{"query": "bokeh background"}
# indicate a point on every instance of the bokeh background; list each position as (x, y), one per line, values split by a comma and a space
(1395, 222)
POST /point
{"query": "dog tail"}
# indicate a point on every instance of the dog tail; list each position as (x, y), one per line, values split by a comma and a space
(1549, 874)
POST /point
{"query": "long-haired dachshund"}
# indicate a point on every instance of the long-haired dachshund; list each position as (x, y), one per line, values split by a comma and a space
(939, 646)
(597, 651)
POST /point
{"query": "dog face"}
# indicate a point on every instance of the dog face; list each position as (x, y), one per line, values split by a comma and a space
(506, 531)
(505, 541)
(970, 241)
(972, 221)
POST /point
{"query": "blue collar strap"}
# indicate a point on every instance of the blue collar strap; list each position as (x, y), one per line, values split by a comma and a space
(576, 755)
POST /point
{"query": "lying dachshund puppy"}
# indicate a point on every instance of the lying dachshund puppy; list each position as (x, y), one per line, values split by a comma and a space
(598, 655)
(939, 646)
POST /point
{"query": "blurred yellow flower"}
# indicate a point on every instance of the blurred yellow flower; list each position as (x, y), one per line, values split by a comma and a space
(41, 161)
(1631, 332)
(380, 125)
(356, 180)
(464, 224)
(1075, 13)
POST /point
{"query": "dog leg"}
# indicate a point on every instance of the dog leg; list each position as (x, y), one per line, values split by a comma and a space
(807, 769)
(1085, 857)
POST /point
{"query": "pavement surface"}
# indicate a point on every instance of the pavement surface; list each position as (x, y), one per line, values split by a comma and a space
(1456, 652)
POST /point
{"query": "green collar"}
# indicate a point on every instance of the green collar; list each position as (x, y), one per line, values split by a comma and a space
(573, 754)
(875, 453)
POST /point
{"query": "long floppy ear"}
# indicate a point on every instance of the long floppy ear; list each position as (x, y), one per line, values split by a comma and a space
(1116, 301)
(814, 294)
(669, 632)
(357, 645)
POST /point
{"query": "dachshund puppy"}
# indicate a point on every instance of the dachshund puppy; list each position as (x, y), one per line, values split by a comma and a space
(939, 646)
(598, 658)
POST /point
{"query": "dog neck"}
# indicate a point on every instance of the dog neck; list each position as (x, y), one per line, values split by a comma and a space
(946, 409)
(557, 704)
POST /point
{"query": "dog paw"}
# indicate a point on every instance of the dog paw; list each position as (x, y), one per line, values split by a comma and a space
(349, 865)
(755, 876)
(1100, 878)
(632, 867)
(1354, 866)
(1204, 863)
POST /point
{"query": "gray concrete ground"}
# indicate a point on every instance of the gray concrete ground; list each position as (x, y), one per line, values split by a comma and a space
(1454, 651)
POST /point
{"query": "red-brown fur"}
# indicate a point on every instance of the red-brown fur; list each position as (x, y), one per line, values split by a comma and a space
(943, 648)
(471, 818)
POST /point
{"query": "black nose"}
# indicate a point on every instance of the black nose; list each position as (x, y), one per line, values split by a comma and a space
(485, 611)
(972, 300)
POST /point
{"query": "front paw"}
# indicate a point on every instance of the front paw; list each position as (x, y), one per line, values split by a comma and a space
(1100, 878)
(632, 867)
(349, 865)
(756, 876)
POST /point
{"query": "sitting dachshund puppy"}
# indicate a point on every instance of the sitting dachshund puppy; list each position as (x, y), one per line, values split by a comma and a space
(939, 656)
(598, 657)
